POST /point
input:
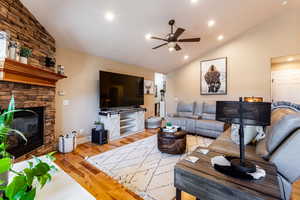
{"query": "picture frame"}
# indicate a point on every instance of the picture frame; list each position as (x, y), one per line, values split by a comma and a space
(148, 87)
(213, 76)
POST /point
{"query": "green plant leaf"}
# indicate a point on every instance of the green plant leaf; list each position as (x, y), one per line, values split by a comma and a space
(20, 194)
(4, 130)
(5, 164)
(2, 188)
(30, 165)
(30, 195)
(49, 177)
(10, 115)
(41, 169)
(18, 184)
(18, 133)
(50, 156)
(43, 180)
(29, 176)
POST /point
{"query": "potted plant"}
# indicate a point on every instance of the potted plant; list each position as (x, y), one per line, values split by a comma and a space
(23, 185)
(169, 125)
(24, 54)
(6, 119)
(99, 125)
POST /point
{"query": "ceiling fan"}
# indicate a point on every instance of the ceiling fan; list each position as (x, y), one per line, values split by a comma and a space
(172, 39)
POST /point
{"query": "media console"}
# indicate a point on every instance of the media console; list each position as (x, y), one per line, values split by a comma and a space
(123, 122)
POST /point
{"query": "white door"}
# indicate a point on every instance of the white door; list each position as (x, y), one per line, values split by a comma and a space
(286, 85)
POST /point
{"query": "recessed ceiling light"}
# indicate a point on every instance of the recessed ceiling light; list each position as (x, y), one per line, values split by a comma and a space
(220, 37)
(109, 16)
(148, 36)
(194, 1)
(186, 57)
(211, 23)
(290, 59)
(284, 3)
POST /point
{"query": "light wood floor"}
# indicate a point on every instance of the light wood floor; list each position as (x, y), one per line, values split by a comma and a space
(98, 183)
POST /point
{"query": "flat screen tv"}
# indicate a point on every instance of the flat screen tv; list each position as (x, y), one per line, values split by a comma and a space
(119, 90)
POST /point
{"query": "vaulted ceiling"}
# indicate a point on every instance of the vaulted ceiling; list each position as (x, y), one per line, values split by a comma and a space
(81, 25)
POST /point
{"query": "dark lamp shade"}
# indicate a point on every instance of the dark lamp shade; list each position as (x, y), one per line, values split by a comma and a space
(252, 113)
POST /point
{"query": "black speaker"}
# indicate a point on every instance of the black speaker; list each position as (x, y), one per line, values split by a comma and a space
(99, 137)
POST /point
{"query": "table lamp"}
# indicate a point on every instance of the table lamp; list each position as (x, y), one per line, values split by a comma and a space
(243, 113)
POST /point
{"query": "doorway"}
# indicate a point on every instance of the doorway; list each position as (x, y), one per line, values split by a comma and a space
(285, 77)
(160, 90)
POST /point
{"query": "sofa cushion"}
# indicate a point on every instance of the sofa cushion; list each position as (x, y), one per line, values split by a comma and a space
(286, 158)
(186, 107)
(209, 107)
(186, 115)
(281, 129)
(198, 108)
(276, 116)
(209, 125)
(209, 116)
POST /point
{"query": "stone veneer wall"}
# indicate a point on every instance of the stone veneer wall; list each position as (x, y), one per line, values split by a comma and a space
(25, 29)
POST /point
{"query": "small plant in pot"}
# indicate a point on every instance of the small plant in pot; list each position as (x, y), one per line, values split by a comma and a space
(24, 184)
(99, 125)
(25, 53)
(169, 125)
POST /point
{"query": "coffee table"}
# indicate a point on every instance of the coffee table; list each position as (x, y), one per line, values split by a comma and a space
(171, 143)
(203, 181)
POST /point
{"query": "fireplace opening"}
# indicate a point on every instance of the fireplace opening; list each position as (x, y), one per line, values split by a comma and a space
(31, 124)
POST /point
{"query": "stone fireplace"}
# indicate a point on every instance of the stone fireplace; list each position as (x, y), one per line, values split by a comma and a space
(26, 29)
(33, 97)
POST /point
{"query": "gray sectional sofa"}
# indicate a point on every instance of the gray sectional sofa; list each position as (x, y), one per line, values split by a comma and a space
(197, 118)
(281, 145)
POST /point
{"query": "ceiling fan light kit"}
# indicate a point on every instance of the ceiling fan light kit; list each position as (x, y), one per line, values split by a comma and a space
(172, 38)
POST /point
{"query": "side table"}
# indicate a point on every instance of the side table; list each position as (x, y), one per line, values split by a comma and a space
(203, 181)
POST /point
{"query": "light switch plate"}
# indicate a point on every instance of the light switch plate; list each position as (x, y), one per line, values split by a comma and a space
(66, 102)
(61, 93)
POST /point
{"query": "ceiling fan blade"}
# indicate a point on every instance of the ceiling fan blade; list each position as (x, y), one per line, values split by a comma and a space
(160, 46)
(189, 40)
(178, 33)
(177, 47)
(157, 38)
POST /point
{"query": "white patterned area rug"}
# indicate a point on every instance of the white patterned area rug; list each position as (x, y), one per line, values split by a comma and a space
(142, 168)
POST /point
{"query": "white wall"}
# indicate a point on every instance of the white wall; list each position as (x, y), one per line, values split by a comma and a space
(82, 89)
(249, 62)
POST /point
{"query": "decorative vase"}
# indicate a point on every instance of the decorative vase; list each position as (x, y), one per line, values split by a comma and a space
(4, 44)
(24, 60)
(12, 50)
